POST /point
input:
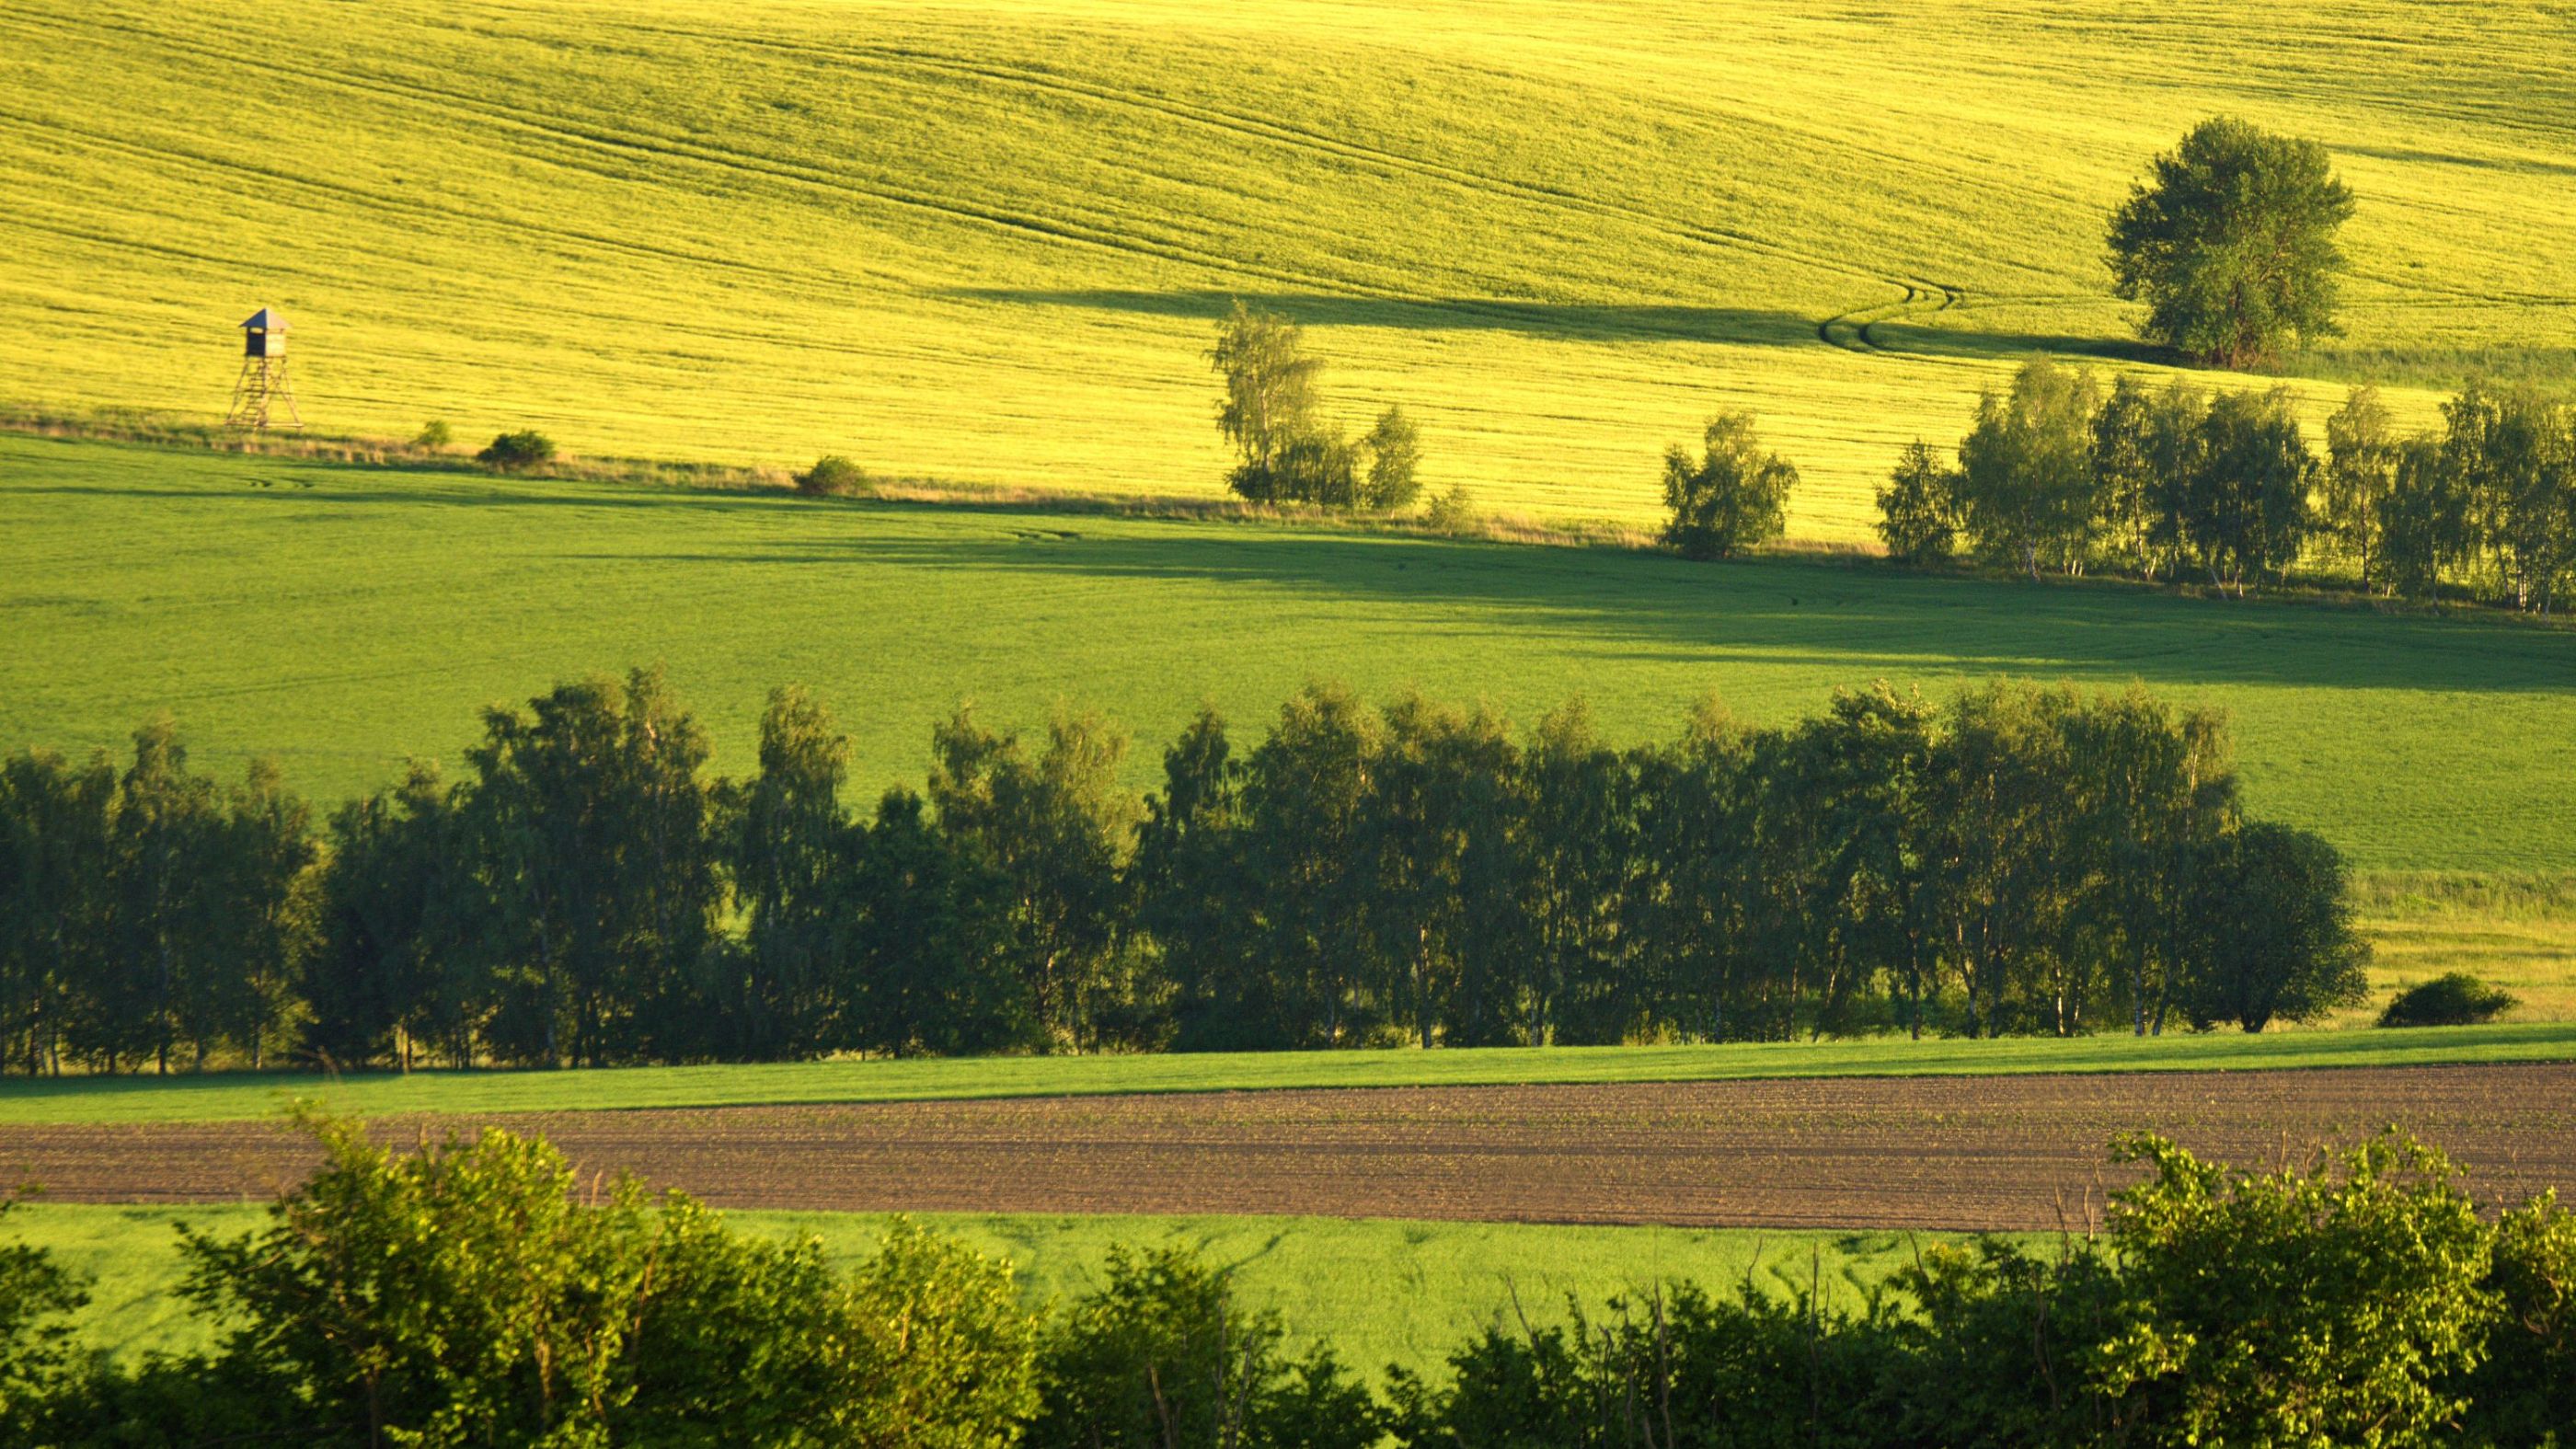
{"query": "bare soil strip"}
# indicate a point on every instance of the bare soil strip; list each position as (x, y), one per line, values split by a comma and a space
(1936, 1153)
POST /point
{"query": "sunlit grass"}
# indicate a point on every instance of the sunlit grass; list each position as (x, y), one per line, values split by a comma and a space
(343, 618)
(240, 1096)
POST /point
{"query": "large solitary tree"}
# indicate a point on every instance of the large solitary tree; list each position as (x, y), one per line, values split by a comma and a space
(2231, 243)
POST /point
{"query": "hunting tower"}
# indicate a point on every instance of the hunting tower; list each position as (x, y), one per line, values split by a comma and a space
(262, 399)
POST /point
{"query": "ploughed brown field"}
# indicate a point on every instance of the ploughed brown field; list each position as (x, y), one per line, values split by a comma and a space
(2022, 1152)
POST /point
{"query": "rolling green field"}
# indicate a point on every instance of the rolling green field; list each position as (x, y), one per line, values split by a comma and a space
(985, 242)
(1382, 1291)
(343, 618)
(243, 1096)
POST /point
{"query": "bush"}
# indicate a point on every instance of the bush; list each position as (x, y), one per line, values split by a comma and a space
(833, 476)
(510, 452)
(2458, 999)
(2527, 1387)
(435, 436)
(1675, 1367)
(468, 1294)
(1453, 511)
(36, 1297)
(1162, 1354)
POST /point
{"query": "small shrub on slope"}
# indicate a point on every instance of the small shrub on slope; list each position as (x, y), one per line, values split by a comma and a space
(512, 452)
(2458, 999)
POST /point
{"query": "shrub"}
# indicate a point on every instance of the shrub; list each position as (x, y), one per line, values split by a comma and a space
(2527, 1387)
(467, 1294)
(1162, 1354)
(434, 436)
(510, 452)
(1453, 511)
(2458, 999)
(833, 476)
(36, 1296)
(1676, 1367)
(2332, 1306)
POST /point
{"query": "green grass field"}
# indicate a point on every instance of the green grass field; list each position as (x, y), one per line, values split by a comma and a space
(245, 1095)
(342, 618)
(1382, 1291)
(985, 242)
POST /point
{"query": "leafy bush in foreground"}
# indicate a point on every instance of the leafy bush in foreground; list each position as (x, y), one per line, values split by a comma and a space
(466, 1294)
(473, 1293)
(2363, 1301)
(1162, 1353)
(2456, 999)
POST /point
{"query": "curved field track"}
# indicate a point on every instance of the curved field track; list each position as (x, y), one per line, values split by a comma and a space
(1954, 1153)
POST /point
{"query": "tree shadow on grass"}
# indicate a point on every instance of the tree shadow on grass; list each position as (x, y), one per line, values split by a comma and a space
(1859, 619)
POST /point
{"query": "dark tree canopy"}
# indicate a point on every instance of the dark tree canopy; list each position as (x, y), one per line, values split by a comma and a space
(2231, 243)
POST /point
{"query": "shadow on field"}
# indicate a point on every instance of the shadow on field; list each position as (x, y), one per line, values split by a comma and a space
(1575, 321)
(1934, 339)
(1857, 618)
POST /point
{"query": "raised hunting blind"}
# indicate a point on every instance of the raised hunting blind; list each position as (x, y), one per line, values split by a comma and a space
(262, 397)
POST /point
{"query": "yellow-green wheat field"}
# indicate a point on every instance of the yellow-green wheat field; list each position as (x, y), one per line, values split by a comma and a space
(985, 242)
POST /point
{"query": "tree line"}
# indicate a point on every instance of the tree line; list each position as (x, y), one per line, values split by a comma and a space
(2021, 860)
(470, 1293)
(2059, 473)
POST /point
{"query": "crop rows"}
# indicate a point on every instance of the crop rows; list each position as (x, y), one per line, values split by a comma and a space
(1960, 1153)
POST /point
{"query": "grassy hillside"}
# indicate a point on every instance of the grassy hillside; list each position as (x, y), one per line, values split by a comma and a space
(985, 241)
(1382, 1291)
(343, 618)
(246, 1096)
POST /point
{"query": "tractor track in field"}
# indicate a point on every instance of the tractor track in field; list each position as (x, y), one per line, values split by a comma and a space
(577, 138)
(1959, 1153)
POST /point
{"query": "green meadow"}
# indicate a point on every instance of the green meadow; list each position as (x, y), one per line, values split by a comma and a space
(343, 618)
(1382, 1291)
(238, 1096)
(986, 242)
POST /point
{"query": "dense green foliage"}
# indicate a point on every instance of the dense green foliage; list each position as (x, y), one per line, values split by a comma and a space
(467, 1294)
(763, 231)
(2057, 472)
(2453, 999)
(525, 448)
(2363, 1301)
(833, 476)
(462, 1295)
(2029, 861)
(1163, 1352)
(1731, 498)
(2232, 243)
(35, 1295)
